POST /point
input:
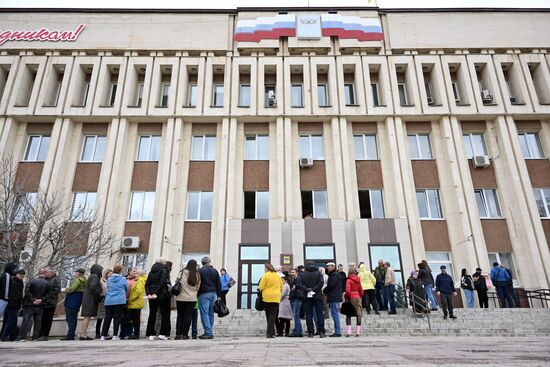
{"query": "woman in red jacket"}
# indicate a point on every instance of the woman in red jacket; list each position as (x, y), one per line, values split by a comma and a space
(354, 293)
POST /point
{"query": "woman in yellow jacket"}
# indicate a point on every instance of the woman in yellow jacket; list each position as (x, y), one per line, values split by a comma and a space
(136, 302)
(368, 282)
(271, 287)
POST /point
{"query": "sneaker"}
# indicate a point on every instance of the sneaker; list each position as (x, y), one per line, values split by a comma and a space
(98, 336)
(102, 339)
(163, 337)
(445, 317)
(335, 335)
(152, 337)
(204, 336)
(115, 337)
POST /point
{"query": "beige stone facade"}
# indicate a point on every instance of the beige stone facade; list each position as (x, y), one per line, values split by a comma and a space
(431, 74)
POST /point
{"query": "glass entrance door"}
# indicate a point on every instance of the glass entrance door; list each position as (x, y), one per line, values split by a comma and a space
(252, 260)
(391, 253)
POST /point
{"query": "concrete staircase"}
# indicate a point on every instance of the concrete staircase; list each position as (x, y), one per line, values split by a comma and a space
(473, 322)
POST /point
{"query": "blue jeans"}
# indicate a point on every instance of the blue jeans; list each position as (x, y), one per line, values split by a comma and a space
(469, 298)
(194, 323)
(380, 296)
(206, 308)
(334, 312)
(429, 290)
(296, 305)
(10, 321)
(390, 296)
(71, 317)
(310, 304)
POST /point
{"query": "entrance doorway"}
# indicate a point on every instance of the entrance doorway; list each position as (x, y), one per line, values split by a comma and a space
(252, 260)
(387, 252)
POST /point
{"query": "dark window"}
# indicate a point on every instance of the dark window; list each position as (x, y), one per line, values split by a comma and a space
(307, 204)
(249, 205)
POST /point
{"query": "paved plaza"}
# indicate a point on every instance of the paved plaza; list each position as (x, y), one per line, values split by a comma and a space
(378, 351)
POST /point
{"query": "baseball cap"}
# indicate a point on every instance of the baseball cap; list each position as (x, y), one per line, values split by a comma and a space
(331, 264)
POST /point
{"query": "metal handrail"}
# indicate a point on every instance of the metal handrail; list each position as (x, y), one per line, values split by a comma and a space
(532, 297)
(416, 301)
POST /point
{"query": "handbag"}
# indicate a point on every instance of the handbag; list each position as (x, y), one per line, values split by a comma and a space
(348, 309)
(231, 282)
(259, 302)
(221, 309)
(176, 288)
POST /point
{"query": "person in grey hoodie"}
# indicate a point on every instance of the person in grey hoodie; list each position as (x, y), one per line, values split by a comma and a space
(115, 300)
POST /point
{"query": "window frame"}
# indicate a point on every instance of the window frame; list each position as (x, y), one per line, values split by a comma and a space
(418, 149)
(190, 94)
(529, 145)
(203, 157)
(428, 206)
(375, 94)
(365, 150)
(310, 146)
(256, 147)
(313, 204)
(545, 200)
(165, 94)
(199, 206)
(20, 215)
(27, 151)
(323, 86)
(512, 266)
(456, 92)
(402, 86)
(448, 263)
(301, 86)
(486, 206)
(96, 139)
(351, 101)
(215, 101)
(150, 136)
(141, 219)
(267, 88)
(85, 214)
(372, 216)
(255, 204)
(139, 94)
(241, 86)
(483, 143)
(112, 95)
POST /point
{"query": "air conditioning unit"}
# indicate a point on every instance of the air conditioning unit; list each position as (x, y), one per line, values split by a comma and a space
(25, 255)
(481, 161)
(306, 162)
(129, 242)
(430, 101)
(486, 96)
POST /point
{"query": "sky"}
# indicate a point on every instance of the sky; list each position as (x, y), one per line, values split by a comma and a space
(231, 4)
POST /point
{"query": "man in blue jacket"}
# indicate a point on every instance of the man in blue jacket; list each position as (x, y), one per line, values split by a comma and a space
(500, 279)
(445, 288)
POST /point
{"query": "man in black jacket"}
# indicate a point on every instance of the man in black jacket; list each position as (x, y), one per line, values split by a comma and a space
(297, 296)
(210, 290)
(156, 288)
(333, 290)
(480, 286)
(344, 277)
(36, 292)
(50, 303)
(9, 271)
(312, 279)
(15, 301)
(445, 288)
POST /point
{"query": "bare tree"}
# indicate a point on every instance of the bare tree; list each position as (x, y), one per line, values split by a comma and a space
(43, 229)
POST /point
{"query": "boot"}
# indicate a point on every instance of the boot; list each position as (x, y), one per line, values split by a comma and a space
(349, 331)
(358, 330)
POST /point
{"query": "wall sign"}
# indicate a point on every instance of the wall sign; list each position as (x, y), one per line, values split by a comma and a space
(42, 35)
(309, 27)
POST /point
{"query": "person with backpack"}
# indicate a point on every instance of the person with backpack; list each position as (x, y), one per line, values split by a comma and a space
(467, 285)
(90, 299)
(73, 300)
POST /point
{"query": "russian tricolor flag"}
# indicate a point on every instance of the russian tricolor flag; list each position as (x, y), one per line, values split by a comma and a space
(255, 30)
(362, 29)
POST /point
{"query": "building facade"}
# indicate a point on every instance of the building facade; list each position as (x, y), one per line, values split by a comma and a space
(290, 135)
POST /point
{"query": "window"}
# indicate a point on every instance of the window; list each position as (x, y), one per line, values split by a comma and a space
(244, 95)
(542, 198)
(365, 147)
(93, 149)
(349, 94)
(149, 148)
(319, 255)
(530, 145)
(138, 261)
(503, 258)
(474, 144)
(322, 96)
(256, 204)
(456, 93)
(429, 97)
(37, 148)
(296, 96)
(270, 96)
(429, 206)
(419, 146)
(256, 147)
(57, 92)
(487, 203)
(436, 259)
(402, 93)
(192, 96)
(165, 95)
(142, 206)
(112, 95)
(83, 206)
(388, 252)
(68, 267)
(85, 93)
(314, 204)
(139, 95)
(199, 206)
(311, 146)
(375, 97)
(217, 99)
(23, 209)
(204, 148)
(371, 204)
